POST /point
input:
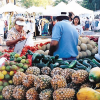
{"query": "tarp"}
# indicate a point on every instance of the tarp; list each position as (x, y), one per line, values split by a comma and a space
(77, 9)
(11, 8)
(70, 7)
(35, 9)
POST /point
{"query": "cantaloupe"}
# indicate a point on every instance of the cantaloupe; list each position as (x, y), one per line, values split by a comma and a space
(84, 40)
(83, 46)
(94, 50)
(89, 47)
(77, 57)
(88, 52)
(88, 40)
(92, 43)
(43, 47)
(84, 54)
(88, 94)
(48, 46)
(46, 52)
(79, 42)
(80, 55)
(40, 51)
(78, 47)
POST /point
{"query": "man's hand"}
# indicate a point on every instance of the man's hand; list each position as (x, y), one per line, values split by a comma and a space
(53, 47)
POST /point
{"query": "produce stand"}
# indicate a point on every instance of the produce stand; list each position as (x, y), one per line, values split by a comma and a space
(39, 76)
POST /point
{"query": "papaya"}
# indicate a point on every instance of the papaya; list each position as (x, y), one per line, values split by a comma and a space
(88, 94)
(94, 75)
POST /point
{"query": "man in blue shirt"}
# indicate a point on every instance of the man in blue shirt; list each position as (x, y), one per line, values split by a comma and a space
(64, 40)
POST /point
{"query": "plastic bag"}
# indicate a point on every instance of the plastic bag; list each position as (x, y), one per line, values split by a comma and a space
(30, 40)
(97, 56)
(2, 60)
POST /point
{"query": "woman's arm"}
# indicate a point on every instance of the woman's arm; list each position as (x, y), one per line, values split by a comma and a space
(12, 42)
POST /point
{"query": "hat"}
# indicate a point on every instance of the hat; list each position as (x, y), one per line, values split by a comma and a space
(63, 14)
(20, 23)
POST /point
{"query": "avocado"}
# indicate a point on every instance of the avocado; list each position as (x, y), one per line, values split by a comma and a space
(25, 67)
(20, 70)
(5, 84)
(7, 77)
(8, 68)
(14, 67)
(23, 57)
(23, 61)
(20, 65)
(1, 88)
(1, 83)
(19, 59)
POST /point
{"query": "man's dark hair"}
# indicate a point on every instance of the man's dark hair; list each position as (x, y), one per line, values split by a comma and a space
(78, 19)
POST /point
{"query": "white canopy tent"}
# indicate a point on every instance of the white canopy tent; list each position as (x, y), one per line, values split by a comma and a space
(77, 9)
(11, 8)
(35, 9)
(70, 7)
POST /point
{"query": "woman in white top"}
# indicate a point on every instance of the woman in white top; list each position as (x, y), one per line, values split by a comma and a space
(76, 23)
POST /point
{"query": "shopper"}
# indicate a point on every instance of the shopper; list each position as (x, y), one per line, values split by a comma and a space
(76, 24)
(71, 16)
(87, 24)
(64, 39)
(16, 33)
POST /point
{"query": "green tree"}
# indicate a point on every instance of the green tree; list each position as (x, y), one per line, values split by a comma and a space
(91, 4)
(58, 1)
(29, 3)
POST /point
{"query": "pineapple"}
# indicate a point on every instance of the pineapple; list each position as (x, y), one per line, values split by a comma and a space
(58, 82)
(46, 94)
(46, 71)
(42, 81)
(88, 84)
(19, 92)
(80, 76)
(17, 78)
(56, 71)
(64, 94)
(33, 70)
(32, 94)
(67, 73)
(7, 92)
(28, 80)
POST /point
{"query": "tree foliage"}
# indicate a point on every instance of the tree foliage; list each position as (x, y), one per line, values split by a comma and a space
(29, 3)
(58, 1)
(91, 4)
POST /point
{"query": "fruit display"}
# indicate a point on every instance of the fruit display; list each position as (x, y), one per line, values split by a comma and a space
(86, 47)
(34, 75)
(64, 94)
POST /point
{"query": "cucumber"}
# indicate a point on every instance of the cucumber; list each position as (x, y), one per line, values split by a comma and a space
(64, 66)
(40, 65)
(96, 62)
(81, 67)
(85, 62)
(63, 62)
(54, 65)
(89, 60)
(93, 64)
(72, 64)
(80, 60)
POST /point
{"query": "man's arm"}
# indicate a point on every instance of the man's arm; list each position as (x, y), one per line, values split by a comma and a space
(53, 47)
(12, 42)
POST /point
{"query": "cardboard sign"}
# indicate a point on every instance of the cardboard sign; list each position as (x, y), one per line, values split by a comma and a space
(19, 46)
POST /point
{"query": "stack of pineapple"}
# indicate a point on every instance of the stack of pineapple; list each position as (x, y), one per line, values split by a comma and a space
(44, 84)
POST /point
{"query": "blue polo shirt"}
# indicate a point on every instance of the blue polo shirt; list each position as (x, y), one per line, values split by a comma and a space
(67, 36)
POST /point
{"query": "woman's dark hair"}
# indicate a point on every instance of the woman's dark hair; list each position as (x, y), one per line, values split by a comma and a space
(78, 19)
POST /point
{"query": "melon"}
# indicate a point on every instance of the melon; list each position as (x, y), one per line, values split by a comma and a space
(40, 51)
(77, 57)
(43, 47)
(48, 46)
(88, 40)
(78, 47)
(89, 47)
(46, 52)
(80, 55)
(84, 40)
(94, 50)
(83, 46)
(88, 52)
(39, 47)
(84, 54)
(79, 42)
(92, 43)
